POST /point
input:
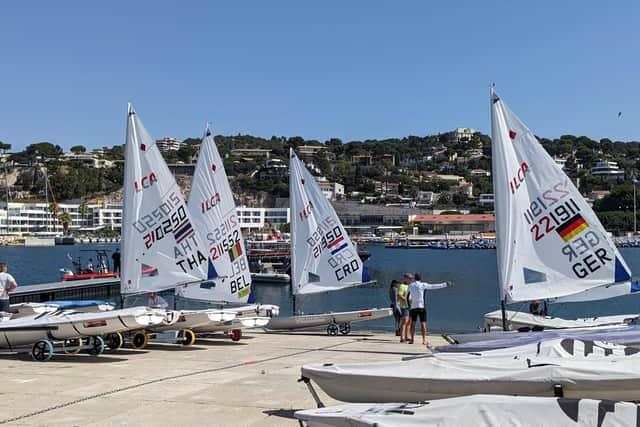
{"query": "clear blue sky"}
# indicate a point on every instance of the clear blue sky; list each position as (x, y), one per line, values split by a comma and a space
(347, 69)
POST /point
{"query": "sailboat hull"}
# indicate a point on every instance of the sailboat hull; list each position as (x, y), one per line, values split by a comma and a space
(517, 320)
(325, 319)
(62, 325)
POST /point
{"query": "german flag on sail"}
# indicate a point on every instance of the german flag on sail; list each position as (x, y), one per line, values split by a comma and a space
(572, 227)
(235, 251)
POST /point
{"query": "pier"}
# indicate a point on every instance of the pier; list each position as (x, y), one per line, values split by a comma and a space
(252, 382)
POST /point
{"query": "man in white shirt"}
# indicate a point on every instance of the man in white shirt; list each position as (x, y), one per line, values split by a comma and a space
(7, 284)
(418, 304)
(156, 301)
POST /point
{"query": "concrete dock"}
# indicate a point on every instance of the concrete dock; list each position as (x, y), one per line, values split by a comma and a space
(217, 382)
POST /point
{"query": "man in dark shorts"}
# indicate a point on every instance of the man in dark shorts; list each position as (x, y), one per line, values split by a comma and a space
(416, 293)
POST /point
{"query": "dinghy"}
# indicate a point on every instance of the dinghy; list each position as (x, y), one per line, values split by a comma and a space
(323, 257)
(564, 368)
(213, 212)
(161, 249)
(478, 411)
(551, 246)
(49, 330)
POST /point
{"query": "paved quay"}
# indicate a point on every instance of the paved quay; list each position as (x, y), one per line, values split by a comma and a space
(216, 382)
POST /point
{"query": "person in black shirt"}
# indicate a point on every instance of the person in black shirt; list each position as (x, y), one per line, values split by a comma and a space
(116, 260)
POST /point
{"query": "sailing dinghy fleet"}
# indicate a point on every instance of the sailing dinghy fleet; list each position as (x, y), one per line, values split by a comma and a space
(551, 247)
(194, 249)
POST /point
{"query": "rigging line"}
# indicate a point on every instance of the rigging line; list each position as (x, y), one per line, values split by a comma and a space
(163, 379)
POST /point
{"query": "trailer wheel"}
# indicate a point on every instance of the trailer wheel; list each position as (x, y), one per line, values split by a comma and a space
(236, 334)
(114, 340)
(332, 329)
(42, 351)
(345, 328)
(189, 338)
(72, 346)
(140, 340)
(97, 346)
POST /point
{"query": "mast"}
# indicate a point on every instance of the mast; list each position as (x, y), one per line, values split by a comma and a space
(6, 181)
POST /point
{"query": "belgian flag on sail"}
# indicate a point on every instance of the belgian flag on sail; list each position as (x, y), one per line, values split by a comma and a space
(235, 251)
(572, 227)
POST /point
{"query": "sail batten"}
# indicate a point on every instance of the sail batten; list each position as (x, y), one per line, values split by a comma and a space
(214, 214)
(323, 258)
(550, 243)
(160, 248)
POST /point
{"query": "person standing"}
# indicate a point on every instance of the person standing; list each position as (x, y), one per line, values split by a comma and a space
(90, 266)
(416, 292)
(395, 306)
(7, 284)
(403, 300)
(116, 260)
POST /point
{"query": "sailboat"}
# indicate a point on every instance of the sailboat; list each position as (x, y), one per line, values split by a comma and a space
(551, 245)
(161, 249)
(213, 212)
(323, 258)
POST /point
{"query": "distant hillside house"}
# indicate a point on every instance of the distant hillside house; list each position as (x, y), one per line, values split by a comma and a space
(362, 160)
(426, 197)
(331, 190)
(386, 158)
(610, 170)
(598, 194)
(89, 160)
(440, 224)
(386, 187)
(460, 135)
(434, 176)
(480, 172)
(169, 144)
(309, 150)
(251, 152)
(464, 188)
(486, 199)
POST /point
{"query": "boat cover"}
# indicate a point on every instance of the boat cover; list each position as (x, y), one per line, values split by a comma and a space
(478, 411)
(581, 369)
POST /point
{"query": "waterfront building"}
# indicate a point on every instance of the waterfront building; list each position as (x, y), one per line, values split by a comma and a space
(440, 224)
(252, 219)
(89, 159)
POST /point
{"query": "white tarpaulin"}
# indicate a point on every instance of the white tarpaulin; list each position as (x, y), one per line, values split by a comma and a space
(160, 247)
(478, 411)
(582, 371)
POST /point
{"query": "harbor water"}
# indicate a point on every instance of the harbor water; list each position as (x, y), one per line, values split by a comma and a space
(456, 309)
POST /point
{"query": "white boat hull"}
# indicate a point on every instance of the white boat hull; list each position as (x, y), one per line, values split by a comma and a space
(192, 319)
(325, 319)
(518, 320)
(63, 325)
(478, 411)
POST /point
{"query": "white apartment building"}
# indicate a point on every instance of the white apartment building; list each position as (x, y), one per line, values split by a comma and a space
(610, 170)
(486, 199)
(259, 218)
(168, 144)
(331, 190)
(37, 218)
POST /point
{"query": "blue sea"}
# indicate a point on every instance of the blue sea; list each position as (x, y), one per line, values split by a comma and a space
(456, 309)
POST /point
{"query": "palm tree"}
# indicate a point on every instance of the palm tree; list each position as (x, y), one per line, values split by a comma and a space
(65, 219)
(84, 210)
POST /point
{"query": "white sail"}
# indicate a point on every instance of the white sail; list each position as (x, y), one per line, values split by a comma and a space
(550, 243)
(323, 258)
(160, 247)
(214, 215)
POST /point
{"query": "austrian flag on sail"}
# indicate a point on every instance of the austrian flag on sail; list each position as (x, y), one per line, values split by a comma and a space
(159, 246)
(550, 243)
